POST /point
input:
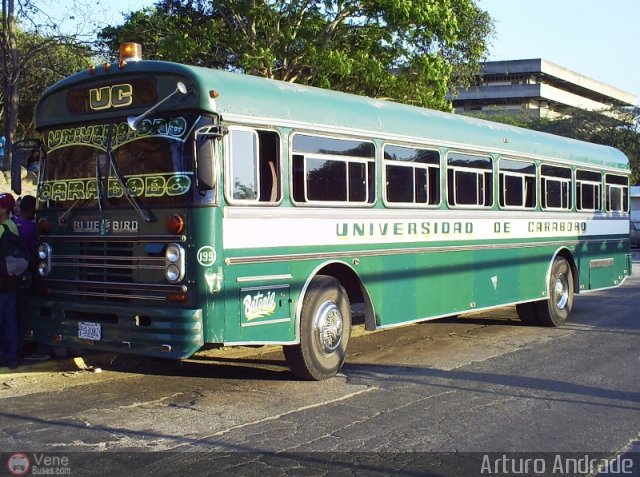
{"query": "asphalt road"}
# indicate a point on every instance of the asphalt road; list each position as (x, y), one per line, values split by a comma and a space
(478, 395)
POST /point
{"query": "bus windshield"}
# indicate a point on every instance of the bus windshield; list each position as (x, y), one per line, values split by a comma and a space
(82, 163)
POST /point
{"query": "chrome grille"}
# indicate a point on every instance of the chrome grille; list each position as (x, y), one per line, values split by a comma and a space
(109, 269)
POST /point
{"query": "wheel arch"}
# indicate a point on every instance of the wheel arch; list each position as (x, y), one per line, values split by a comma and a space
(352, 284)
(565, 253)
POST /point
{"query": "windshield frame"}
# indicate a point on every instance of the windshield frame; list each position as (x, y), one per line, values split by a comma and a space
(171, 134)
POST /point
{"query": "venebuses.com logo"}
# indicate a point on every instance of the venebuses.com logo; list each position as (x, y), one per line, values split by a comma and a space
(20, 463)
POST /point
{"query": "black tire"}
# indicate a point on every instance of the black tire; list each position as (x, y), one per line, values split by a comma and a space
(325, 326)
(556, 309)
(528, 313)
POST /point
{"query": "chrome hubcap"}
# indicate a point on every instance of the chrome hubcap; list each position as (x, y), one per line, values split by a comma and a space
(328, 327)
(561, 291)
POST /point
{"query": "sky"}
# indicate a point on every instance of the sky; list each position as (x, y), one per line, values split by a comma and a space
(595, 38)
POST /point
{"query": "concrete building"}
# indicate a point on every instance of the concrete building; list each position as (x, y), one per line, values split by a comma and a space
(539, 88)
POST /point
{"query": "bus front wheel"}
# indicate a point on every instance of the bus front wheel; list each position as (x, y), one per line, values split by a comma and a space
(325, 325)
(556, 309)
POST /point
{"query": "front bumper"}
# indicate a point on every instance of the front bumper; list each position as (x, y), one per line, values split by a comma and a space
(157, 331)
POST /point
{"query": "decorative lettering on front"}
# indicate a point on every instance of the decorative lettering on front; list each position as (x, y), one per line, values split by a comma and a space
(152, 185)
(106, 97)
(259, 305)
(135, 186)
(97, 134)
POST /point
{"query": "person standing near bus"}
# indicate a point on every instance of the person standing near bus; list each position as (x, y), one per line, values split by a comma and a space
(27, 231)
(8, 297)
(26, 225)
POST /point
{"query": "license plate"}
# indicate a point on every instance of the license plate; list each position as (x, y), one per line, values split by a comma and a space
(89, 331)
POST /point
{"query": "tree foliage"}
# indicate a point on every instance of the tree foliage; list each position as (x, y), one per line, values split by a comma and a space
(44, 61)
(33, 55)
(617, 127)
(408, 51)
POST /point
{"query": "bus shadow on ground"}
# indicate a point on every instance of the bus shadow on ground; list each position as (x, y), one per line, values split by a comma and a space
(254, 368)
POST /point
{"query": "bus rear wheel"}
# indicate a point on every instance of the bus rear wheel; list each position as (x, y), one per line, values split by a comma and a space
(555, 311)
(325, 326)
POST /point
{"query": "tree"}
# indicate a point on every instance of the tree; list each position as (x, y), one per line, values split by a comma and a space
(44, 61)
(10, 75)
(30, 61)
(404, 50)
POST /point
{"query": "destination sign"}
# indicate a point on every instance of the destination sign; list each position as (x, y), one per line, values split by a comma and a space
(134, 93)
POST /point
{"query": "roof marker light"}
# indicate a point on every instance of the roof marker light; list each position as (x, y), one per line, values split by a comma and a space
(130, 52)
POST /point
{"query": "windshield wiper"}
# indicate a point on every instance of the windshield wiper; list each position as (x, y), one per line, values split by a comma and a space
(134, 121)
(62, 220)
(99, 181)
(127, 193)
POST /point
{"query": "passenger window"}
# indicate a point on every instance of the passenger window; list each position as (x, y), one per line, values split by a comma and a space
(616, 193)
(588, 187)
(469, 180)
(253, 166)
(517, 184)
(333, 170)
(555, 183)
(412, 175)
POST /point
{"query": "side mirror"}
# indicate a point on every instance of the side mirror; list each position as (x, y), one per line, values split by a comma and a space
(205, 164)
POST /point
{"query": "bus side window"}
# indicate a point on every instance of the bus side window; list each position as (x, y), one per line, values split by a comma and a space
(326, 169)
(412, 175)
(588, 187)
(254, 166)
(469, 180)
(555, 183)
(270, 189)
(616, 193)
(517, 184)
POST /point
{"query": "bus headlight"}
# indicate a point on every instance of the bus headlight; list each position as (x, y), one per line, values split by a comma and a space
(174, 263)
(44, 251)
(43, 269)
(44, 259)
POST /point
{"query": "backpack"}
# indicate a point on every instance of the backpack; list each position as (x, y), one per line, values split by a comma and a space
(14, 260)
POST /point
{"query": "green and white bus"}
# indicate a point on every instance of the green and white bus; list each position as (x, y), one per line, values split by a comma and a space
(182, 207)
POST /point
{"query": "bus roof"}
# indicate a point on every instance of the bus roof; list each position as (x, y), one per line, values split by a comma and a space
(242, 96)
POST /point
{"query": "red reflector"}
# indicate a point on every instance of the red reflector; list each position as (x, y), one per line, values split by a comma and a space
(177, 297)
(174, 224)
(44, 226)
